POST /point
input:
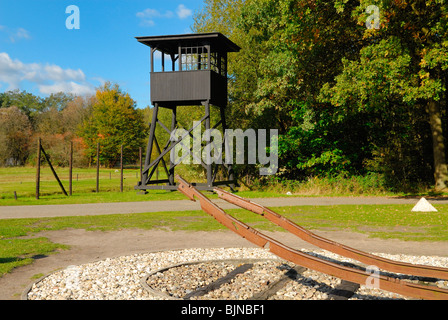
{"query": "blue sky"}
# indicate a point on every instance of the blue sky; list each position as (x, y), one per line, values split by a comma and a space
(39, 54)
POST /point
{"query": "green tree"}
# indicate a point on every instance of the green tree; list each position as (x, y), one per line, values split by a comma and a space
(114, 121)
(224, 16)
(57, 124)
(15, 132)
(76, 112)
(28, 103)
(346, 98)
(404, 63)
(301, 45)
(49, 119)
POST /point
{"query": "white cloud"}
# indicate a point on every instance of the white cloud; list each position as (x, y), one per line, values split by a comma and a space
(49, 78)
(148, 15)
(153, 13)
(20, 34)
(10, 71)
(102, 81)
(147, 23)
(183, 12)
(15, 35)
(67, 86)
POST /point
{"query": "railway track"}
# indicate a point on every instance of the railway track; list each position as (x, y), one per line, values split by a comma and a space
(269, 280)
(349, 274)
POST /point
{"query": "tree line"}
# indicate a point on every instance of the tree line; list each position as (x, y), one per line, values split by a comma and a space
(110, 117)
(347, 99)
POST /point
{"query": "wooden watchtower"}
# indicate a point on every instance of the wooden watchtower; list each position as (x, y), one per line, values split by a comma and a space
(197, 76)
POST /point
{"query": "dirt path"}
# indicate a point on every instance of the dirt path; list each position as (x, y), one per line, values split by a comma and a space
(89, 246)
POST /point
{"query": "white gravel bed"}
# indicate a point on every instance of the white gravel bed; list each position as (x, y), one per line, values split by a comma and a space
(121, 277)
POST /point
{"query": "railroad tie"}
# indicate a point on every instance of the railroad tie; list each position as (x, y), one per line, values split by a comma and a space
(344, 291)
(272, 289)
(216, 284)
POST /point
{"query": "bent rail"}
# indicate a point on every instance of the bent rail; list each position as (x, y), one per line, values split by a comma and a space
(307, 260)
(335, 247)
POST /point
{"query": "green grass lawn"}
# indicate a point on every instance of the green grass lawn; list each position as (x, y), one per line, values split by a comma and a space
(22, 180)
(382, 221)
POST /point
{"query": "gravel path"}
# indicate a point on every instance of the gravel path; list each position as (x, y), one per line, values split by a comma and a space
(121, 278)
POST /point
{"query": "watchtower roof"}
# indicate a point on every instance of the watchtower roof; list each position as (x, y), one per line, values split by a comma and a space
(169, 44)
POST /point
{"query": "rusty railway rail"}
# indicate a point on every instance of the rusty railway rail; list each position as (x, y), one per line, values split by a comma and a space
(335, 247)
(308, 261)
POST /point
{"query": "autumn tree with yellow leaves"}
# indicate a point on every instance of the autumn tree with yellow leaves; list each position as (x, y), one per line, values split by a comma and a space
(114, 121)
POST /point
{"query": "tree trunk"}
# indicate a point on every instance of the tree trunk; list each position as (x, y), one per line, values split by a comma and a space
(440, 166)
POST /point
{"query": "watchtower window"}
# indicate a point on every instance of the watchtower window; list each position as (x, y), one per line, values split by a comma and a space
(197, 58)
(191, 52)
(218, 63)
(194, 58)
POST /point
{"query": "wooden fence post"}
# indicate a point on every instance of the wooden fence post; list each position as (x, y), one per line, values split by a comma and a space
(52, 170)
(121, 169)
(38, 169)
(70, 173)
(141, 164)
(98, 167)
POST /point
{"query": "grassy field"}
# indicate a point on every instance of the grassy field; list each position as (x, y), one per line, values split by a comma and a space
(22, 180)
